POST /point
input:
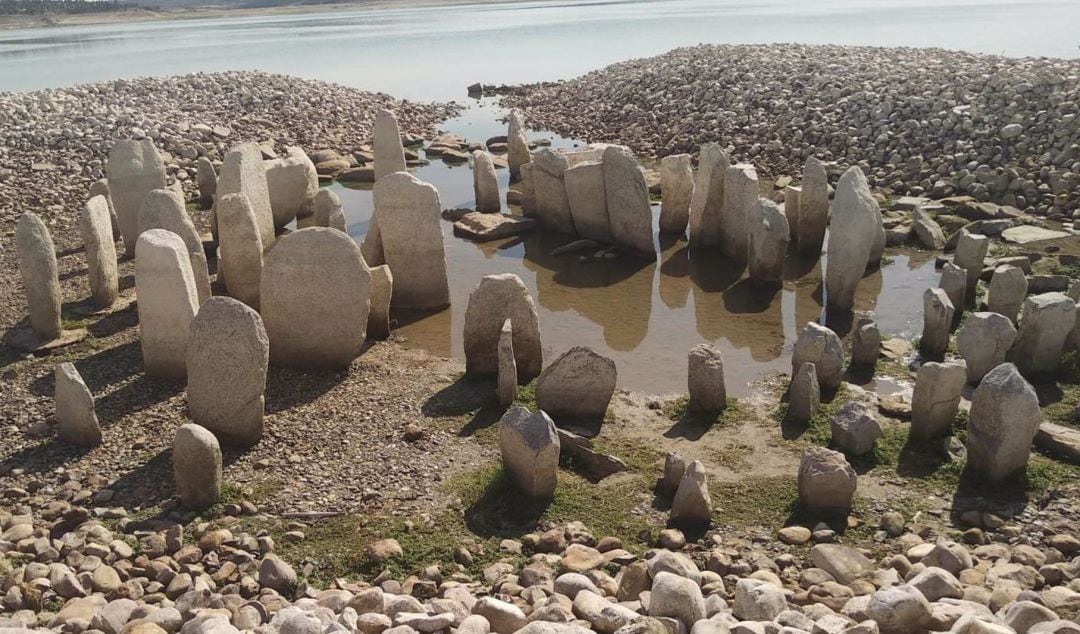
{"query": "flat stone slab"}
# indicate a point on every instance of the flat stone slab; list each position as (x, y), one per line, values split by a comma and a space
(27, 340)
(1060, 441)
(484, 227)
(1027, 233)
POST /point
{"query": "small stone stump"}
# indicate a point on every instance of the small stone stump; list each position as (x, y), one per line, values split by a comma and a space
(629, 213)
(496, 299)
(485, 183)
(206, 177)
(769, 236)
(1046, 322)
(507, 380)
(389, 153)
(577, 386)
(529, 445)
(937, 323)
(1007, 292)
(936, 399)
(196, 460)
(40, 275)
(1004, 418)
(76, 420)
(804, 394)
(134, 169)
(984, 342)
(826, 481)
(96, 228)
(708, 199)
(382, 289)
(241, 261)
(970, 253)
(293, 183)
(677, 191)
(674, 468)
(408, 217)
(692, 506)
(813, 208)
(865, 343)
(822, 347)
(854, 428)
(705, 372)
(167, 302)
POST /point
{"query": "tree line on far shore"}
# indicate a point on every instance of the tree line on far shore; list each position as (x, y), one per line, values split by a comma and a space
(43, 7)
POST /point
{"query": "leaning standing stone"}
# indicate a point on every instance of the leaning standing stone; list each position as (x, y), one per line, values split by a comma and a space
(164, 209)
(530, 447)
(196, 466)
(819, 345)
(970, 253)
(954, 283)
(854, 428)
(485, 183)
(804, 394)
(1045, 325)
(826, 481)
(628, 202)
(389, 153)
(677, 190)
(507, 381)
(243, 173)
(813, 208)
(1004, 419)
(937, 397)
(241, 261)
(984, 342)
(865, 343)
(1007, 291)
(769, 236)
(937, 322)
(135, 169)
(708, 199)
(382, 289)
(740, 196)
(407, 213)
(496, 299)
(40, 275)
(706, 379)
(292, 182)
(328, 211)
(228, 353)
(97, 236)
(692, 506)
(76, 421)
(517, 143)
(852, 230)
(549, 191)
(206, 176)
(577, 386)
(315, 271)
(167, 301)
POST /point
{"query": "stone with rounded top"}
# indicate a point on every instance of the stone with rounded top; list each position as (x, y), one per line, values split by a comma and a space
(243, 173)
(1046, 322)
(517, 143)
(813, 208)
(241, 261)
(134, 170)
(853, 228)
(1002, 424)
(100, 187)
(76, 420)
(40, 275)
(984, 342)
(206, 178)
(692, 506)
(196, 457)
(408, 217)
(936, 399)
(577, 386)
(328, 211)
(769, 236)
(96, 228)
(165, 209)
(167, 302)
(822, 347)
(708, 199)
(496, 299)
(705, 379)
(826, 481)
(292, 183)
(1007, 291)
(507, 380)
(389, 153)
(485, 182)
(677, 192)
(529, 445)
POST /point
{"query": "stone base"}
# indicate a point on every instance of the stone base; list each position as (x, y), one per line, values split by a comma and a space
(26, 340)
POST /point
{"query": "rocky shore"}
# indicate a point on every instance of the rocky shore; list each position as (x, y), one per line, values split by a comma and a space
(918, 121)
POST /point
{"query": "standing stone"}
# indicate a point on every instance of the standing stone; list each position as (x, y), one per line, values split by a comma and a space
(813, 208)
(389, 153)
(507, 382)
(529, 445)
(167, 301)
(407, 212)
(970, 253)
(706, 379)
(76, 421)
(100, 187)
(485, 183)
(852, 229)
(740, 196)
(628, 201)
(819, 345)
(241, 260)
(954, 283)
(228, 353)
(549, 191)
(826, 481)
(708, 199)
(196, 460)
(206, 176)
(692, 506)
(792, 195)
(292, 182)
(674, 468)
(1046, 322)
(865, 343)
(937, 398)
(517, 144)
(984, 342)
(854, 428)
(528, 191)
(587, 196)
(804, 394)
(937, 323)
(40, 275)
(769, 237)
(164, 209)
(328, 211)
(1004, 419)
(382, 289)
(1007, 291)
(97, 235)
(577, 386)
(243, 173)
(314, 299)
(677, 192)
(135, 169)
(496, 299)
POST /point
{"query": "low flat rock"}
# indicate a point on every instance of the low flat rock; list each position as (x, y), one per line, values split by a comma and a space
(1027, 233)
(484, 227)
(1060, 441)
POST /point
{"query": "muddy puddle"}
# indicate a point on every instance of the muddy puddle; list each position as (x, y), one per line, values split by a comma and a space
(644, 315)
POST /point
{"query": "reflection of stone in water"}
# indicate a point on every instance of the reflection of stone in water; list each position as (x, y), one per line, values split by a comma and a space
(757, 321)
(423, 329)
(675, 276)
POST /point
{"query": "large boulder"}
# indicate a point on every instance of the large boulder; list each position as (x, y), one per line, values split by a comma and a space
(937, 323)
(243, 173)
(529, 445)
(196, 460)
(1007, 291)
(970, 253)
(708, 199)
(40, 275)
(938, 387)
(769, 236)
(485, 182)
(757, 600)
(292, 182)
(134, 169)
(629, 213)
(854, 428)
(826, 481)
(314, 298)
(676, 597)
(677, 191)
(496, 299)
(408, 217)
(843, 563)
(813, 208)
(96, 227)
(899, 610)
(1046, 322)
(549, 191)
(241, 258)
(1004, 419)
(228, 353)
(852, 230)
(587, 197)
(822, 347)
(76, 420)
(389, 153)
(692, 506)
(740, 195)
(577, 386)
(168, 301)
(705, 379)
(984, 342)
(164, 209)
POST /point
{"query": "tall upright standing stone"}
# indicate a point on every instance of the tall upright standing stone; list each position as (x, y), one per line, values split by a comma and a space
(740, 196)
(485, 183)
(1007, 291)
(241, 260)
(529, 445)
(196, 460)
(984, 342)
(792, 202)
(228, 353)
(407, 212)
(677, 192)
(705, 379)
(692, 506)
(813, 208)
(496, 299)
(854, 223)
(100, 187)
(1004, 418)
(970, 253)
(865, 342)
(135, 169)
(76, 420)
(628, 202)
(507, 379)
(389, 153)
(549, 190)
(206, 176)
(382, 289)
(769, 237)
(936, 399)
(937, 323)
(517, 143)
(704, 224)
(40, 275)
(821, 346)
(328, 211)
(164, 209)
(292, 182)
(243, 173)
(587, 196)
(314, 299)
(168, 301)
(804, 394)
(954, 283)
(1046, 322)
(96, 227)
